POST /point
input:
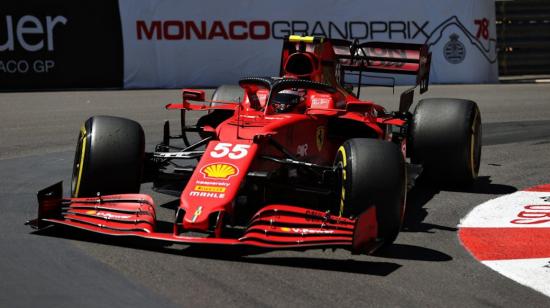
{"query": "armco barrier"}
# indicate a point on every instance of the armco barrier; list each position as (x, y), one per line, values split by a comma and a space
(523, 30)
(60, 44)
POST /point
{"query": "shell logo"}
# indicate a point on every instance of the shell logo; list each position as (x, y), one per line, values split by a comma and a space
(219, 171)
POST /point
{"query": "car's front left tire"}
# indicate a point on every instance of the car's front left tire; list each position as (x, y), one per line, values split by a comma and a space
(373, 174)
(109, 157)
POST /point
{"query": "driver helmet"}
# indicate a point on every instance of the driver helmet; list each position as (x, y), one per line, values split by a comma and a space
(286, 100)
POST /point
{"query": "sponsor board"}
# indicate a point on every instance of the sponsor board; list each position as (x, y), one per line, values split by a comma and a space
(510, 235)
(60, 44)
(185, 40)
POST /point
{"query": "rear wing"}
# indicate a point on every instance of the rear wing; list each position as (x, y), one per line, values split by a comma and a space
(383, 57)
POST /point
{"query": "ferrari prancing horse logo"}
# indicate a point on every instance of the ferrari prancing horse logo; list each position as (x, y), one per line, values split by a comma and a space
(320, 137)
(198, 212)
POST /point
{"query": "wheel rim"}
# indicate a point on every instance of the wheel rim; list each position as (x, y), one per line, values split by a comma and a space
(342, 164)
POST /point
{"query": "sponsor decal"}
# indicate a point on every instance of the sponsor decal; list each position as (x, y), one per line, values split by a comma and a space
(220, 171)
(209, 188)
(107, 215)
(315, 216)
(204, 194)
(306, 230)
(112, 216)
(225, 184)
(454, 51)
(320, 137)
(320, 101)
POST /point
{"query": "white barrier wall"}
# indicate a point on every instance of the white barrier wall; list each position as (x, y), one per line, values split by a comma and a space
(175, 43)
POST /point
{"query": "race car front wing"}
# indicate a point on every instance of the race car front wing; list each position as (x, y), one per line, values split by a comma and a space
(273, 227)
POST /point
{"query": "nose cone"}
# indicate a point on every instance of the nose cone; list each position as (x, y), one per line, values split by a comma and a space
(215, 182)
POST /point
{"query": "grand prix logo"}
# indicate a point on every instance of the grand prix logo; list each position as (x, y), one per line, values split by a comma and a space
(454, 49)
(403, 30)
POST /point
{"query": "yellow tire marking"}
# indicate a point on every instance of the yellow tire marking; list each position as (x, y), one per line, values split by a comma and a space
(81, 164)
(343, 194)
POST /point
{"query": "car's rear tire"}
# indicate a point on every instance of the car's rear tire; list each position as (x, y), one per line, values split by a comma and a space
(373, 174)
(228, 93)
(446, 140)
(109, 157)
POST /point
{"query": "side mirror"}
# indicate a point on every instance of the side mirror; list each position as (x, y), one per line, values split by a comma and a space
(193, 95)
(406, 100)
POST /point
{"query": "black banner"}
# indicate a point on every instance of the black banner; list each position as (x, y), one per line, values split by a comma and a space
(47, 44)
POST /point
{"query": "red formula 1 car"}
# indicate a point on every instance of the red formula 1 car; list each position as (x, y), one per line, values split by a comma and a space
(291, 162)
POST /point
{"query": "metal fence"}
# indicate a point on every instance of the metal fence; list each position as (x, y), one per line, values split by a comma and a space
(523, 32)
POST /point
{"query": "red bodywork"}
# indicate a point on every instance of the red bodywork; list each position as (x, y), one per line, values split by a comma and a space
(234, 155)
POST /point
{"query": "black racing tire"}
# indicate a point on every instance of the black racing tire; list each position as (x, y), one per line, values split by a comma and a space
(373, 174)
(109, 157)
(446, 140)
(228, 93)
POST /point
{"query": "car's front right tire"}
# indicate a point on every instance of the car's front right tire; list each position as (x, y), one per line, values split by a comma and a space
(446, 140)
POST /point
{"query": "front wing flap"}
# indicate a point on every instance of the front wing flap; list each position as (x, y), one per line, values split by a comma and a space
(273, 227)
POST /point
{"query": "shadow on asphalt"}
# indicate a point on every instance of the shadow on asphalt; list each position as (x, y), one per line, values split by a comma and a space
(425, 190)
(254, 256)
(410, 252)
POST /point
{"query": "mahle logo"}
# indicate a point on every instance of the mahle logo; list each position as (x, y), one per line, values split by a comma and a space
(29, 32)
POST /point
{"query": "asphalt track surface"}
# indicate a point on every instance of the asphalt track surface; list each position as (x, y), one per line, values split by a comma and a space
(426, 267)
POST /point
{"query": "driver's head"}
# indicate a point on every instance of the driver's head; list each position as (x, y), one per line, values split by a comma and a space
(286, 100)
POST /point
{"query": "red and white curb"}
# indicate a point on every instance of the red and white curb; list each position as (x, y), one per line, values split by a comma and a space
(511, 235)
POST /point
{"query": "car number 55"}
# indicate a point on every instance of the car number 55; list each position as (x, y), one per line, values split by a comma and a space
(236, 151)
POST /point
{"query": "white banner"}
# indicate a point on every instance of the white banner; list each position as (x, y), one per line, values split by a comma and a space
(174, 43)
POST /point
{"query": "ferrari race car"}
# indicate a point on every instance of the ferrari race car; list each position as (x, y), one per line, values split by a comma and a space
(290, 162)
